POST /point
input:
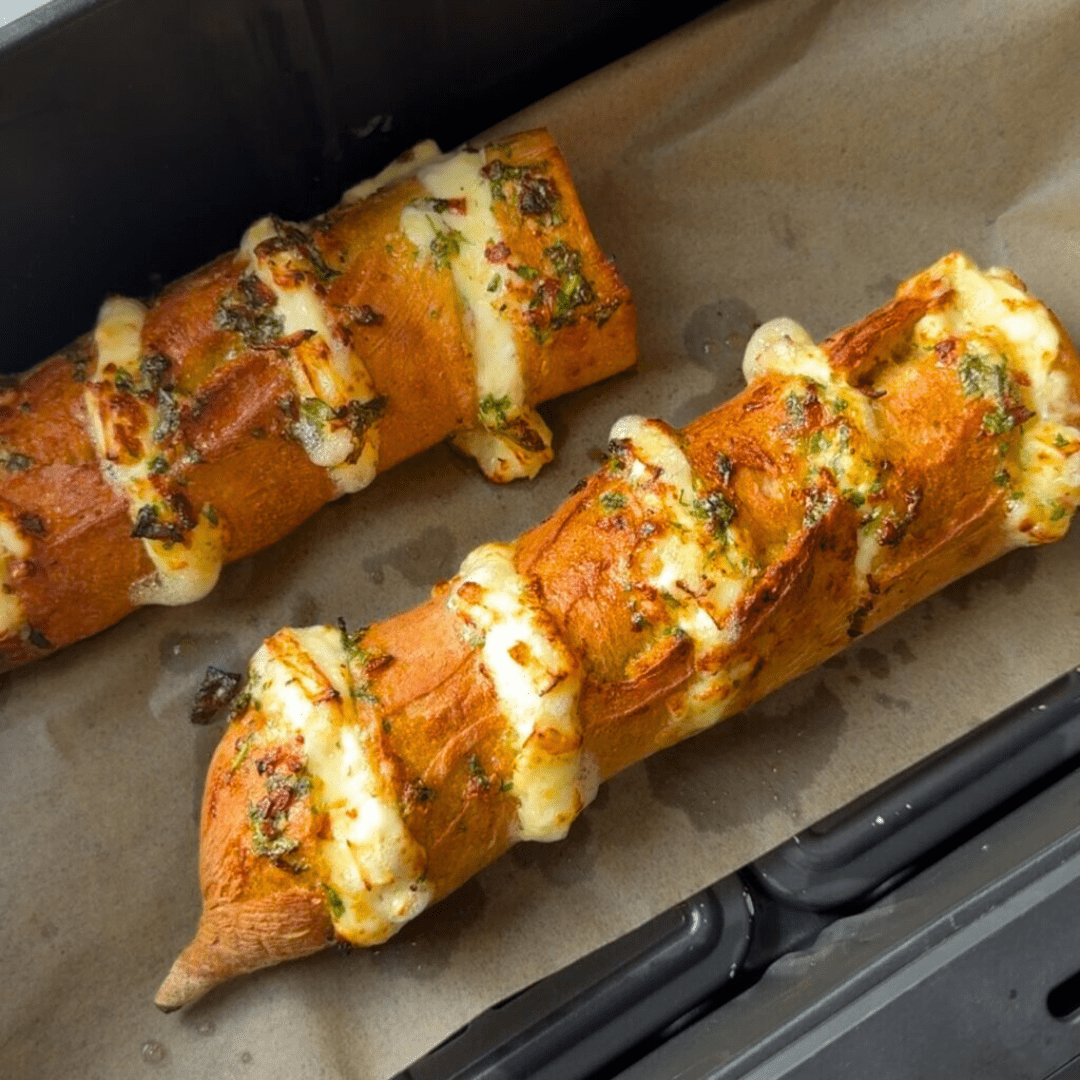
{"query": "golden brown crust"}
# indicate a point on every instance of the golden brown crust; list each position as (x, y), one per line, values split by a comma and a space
(231, 450)
(936, 509)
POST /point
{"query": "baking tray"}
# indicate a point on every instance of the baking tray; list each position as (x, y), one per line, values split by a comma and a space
(121, 119)
(844, 912)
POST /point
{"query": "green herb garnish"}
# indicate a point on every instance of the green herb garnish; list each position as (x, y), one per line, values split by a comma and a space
(493, 411)
(612, 501)
(334, 902)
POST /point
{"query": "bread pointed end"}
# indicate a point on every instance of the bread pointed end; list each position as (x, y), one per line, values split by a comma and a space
(182, 986)
(242, 936)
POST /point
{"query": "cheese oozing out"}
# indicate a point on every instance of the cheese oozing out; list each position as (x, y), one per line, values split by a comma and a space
(700, 575)
(513, 440)
(537, 682)
(13, 546)
(328, 377)
(184, 570)
(1000, 324)
(375, 868)
(786, 348)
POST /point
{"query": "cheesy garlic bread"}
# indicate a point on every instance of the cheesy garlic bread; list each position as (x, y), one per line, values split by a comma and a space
(365, 773)
(444, 298)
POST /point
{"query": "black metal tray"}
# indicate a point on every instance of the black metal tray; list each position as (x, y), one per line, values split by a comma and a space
(139, 139)
(781, 983)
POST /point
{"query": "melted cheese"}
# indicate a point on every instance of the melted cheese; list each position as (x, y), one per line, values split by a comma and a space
(405, 165)
(996, 318)
(13, 546)
(701, 578)
(183, 571)
(461, 234)
(784, 347)
(326, 375)
(537, 681)
(375, 867)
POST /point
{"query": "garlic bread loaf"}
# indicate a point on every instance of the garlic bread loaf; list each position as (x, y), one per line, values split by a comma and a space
(365, 773)
(444, 298)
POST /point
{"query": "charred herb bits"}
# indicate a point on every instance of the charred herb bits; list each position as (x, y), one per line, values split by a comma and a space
(215, 691)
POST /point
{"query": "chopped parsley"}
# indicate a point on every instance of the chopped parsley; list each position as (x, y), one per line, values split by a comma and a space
(316, 410)
(498, 173)
(818, 504)
(18, 462)
(168, 416)
(796, 408)
(445, 245)
(604, 311)
(979, 377)
(350, 642)
(538, 195)
(477, 773)
(149, 526)
(334, 902)
(251, 315)
(154, 368)
(574, 292)
(724, 466)
(612, 501)
(32, 524)
(267, 838)
(564, 258)
(363, 693)
(997, 422)
(715, 509)
(493, 411)
(243, 748)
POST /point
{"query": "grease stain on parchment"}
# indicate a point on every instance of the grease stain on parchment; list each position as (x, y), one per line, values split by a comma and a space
(421, 560)
(715, 337)
(1013, 572)
(563, 864)
(425, 947)
(189, 653)
(887, 701)
(902, 650)
(874, 662)
(695, 776)
(305, 611)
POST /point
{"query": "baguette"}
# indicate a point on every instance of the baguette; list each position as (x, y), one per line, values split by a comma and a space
(444, 298)
(366, 774)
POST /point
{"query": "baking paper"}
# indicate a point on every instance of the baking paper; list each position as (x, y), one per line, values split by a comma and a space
(784, 157)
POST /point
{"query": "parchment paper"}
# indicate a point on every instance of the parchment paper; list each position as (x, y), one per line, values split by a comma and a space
(789, 157)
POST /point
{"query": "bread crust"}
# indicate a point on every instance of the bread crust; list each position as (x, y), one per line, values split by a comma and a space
(213, 392)
(829, 500)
